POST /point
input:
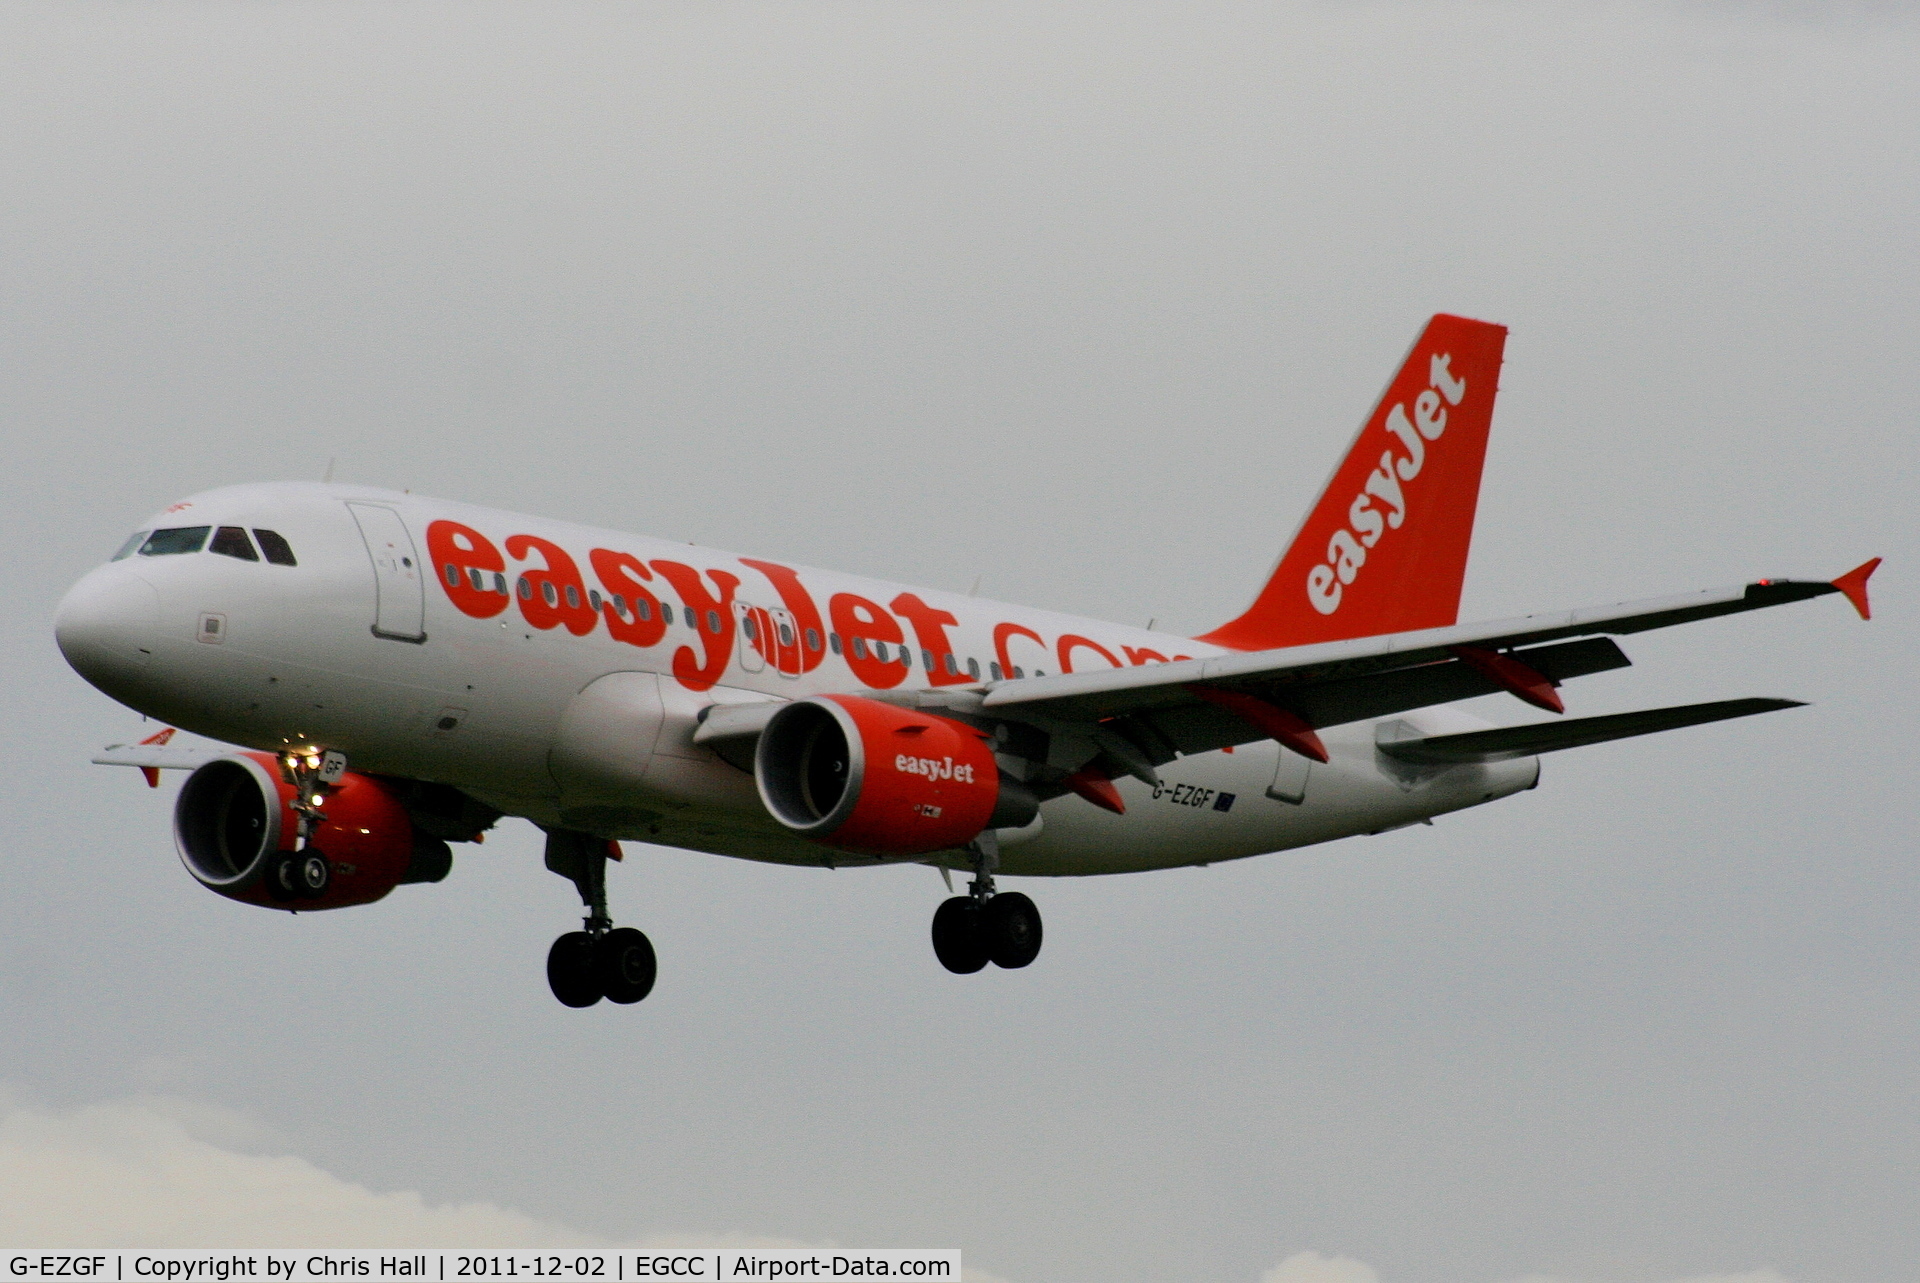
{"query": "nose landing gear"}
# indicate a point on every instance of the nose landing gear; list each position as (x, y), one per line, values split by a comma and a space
(603, 961)
(306, 873)
(299, 875)
(971, 930)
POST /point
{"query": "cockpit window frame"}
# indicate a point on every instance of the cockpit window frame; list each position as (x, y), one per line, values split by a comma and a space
(274, 544)
(187, 539)
(232, 541)
(131, 546)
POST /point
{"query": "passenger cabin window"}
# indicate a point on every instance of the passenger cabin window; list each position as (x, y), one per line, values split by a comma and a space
(131, 546)
(232, 541)
(833, 640)
(279, 552)
(973, 669)
(165, 543)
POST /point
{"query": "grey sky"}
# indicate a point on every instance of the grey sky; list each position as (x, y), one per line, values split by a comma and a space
(1084, 299)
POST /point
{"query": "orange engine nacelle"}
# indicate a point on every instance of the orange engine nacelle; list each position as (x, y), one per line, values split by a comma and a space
(234, 819)
(866, 776)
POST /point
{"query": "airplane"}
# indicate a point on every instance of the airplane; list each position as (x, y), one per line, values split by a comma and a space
(397, 673)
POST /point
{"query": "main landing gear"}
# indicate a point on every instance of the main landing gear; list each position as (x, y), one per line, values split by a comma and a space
(603, 961)
(971, 930)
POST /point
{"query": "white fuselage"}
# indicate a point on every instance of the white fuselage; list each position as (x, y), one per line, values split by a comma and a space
(367, 649)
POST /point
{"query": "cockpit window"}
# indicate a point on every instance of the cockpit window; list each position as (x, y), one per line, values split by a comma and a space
(131, 546)
(232, 541)
(163, 543)
(278, 550)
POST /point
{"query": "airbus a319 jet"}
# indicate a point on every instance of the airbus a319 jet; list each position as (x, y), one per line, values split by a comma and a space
(397, 673)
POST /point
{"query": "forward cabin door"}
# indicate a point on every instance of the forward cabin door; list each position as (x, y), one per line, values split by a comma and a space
(401, 593)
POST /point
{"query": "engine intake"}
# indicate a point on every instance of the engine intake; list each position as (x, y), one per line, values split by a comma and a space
(866, 776)
(234, 817)
(232, 813)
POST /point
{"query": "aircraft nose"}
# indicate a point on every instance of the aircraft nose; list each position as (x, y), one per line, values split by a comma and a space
(107, 626)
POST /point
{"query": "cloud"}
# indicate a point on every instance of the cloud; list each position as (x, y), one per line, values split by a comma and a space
(1311, 1267)
(151, 1172)
(159, 1171)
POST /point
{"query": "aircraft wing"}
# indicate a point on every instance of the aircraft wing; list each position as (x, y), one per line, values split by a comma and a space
(1197, 705)
(156, 757)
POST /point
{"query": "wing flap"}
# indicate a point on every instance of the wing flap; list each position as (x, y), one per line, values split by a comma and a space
(1353, 699)
(1550, 737)
(1202, 727)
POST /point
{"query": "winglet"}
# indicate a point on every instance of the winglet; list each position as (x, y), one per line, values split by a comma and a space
(1854, 585)
(158, 740)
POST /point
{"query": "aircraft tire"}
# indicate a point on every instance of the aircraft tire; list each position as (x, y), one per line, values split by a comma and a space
(958, 940)
(570, 970)
(282, 878)
(313, 874)
(625, 965)
(1011, 930)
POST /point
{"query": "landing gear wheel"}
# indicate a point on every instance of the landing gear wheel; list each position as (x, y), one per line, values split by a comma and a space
(313, 874)
(571, 973)
(958, 939)
(624, 964)
(1010, 929)
(282, 878)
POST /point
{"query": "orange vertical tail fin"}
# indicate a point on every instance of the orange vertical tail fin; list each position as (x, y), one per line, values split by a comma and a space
(1385, 548)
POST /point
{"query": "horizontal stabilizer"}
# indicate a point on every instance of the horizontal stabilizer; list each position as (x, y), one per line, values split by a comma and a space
(1550, 737)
